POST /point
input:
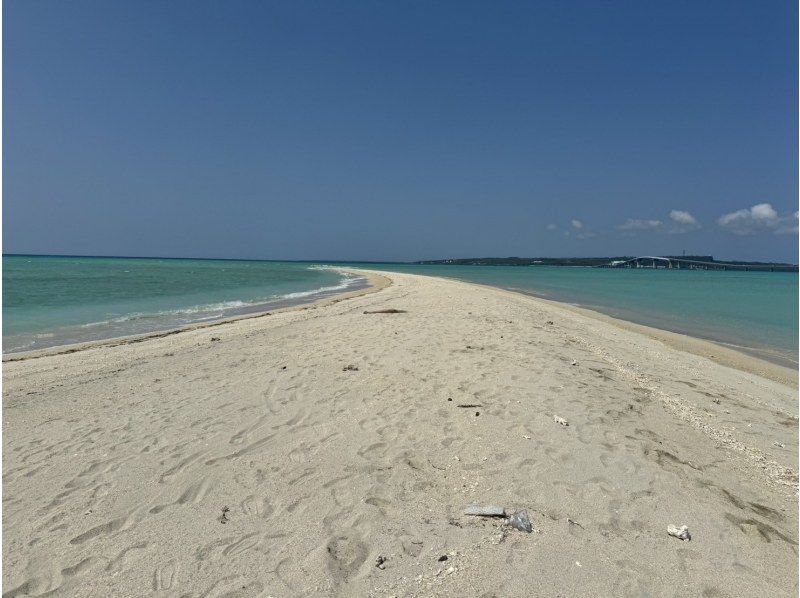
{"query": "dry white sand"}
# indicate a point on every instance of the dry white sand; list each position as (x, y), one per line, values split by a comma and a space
(256, 465)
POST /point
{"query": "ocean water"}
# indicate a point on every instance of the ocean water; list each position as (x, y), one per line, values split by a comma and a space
(50, 301)
(756, 312)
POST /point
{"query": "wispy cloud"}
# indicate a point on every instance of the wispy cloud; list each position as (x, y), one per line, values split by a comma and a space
(683, 222)
(759, 218)
(788, 226)
(552, 226)
(633, 224)
(578, 230)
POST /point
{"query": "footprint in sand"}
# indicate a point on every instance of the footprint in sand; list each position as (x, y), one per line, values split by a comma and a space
(257, 507)
(346, 554)
(164, 575)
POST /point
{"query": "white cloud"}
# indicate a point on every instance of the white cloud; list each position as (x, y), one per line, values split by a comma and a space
(682, 217)
(577, 224)
(763, 211)
(788, 225)
(637, 224)
(552, 227)
(761, 217)
(683, 222)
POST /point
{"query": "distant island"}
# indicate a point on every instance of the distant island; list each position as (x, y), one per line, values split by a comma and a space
(703, 262)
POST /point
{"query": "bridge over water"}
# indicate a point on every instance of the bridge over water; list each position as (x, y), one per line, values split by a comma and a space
(654, 261)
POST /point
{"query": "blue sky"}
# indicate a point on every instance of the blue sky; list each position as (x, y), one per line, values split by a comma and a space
(400, 130)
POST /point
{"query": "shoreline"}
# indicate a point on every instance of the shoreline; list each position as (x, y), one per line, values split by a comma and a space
(762, 354)
(374, 283)
(737, 358)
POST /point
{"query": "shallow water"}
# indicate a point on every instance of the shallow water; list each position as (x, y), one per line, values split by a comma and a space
(49, 301)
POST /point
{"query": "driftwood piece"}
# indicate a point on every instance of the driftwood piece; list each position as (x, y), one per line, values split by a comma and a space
(386, 311)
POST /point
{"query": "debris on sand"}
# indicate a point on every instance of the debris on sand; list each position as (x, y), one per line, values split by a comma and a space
(560, 420)
(214, 338)
(386, 311)
(485, 511)
(350, 368)
(469, 405)
(681, 532)
(574, 362)
(224, 518)
(520, 521)
(380, 562)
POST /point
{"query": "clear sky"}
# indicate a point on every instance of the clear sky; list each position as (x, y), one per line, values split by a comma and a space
(400, 130)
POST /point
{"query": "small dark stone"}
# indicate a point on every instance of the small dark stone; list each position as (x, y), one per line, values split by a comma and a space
(443, 558)
(214, 338)
(283, 368)
(477, 413)
(449, 399)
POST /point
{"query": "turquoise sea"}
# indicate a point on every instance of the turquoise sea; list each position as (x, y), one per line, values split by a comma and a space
(50, 301)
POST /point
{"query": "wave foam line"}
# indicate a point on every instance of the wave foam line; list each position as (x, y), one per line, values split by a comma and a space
(216, 309)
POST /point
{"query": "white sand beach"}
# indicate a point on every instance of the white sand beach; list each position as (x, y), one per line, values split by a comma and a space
(326, 451)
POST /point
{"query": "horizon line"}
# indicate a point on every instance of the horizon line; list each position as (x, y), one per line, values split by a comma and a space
(345, 261)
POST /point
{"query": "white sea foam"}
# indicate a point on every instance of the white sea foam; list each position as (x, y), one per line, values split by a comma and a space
(211, 311)
(348, 280)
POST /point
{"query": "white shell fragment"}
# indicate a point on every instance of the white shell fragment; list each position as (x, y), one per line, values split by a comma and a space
(560, 420)
(681, 532)
(485, 511)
